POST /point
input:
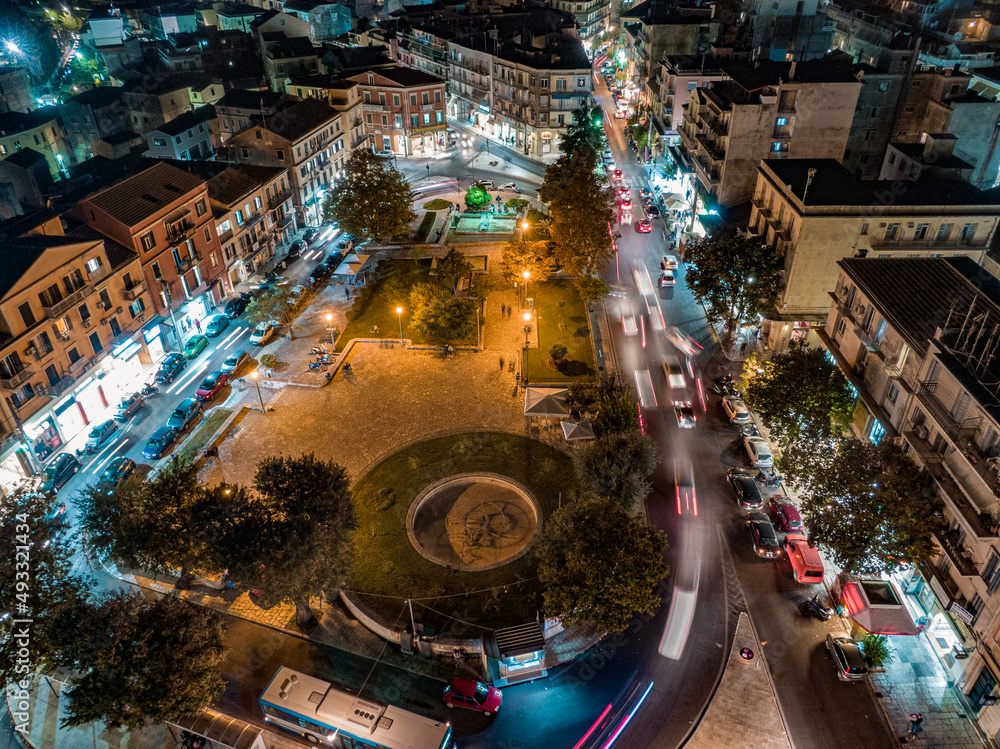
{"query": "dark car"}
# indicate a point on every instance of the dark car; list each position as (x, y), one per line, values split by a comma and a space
(747, 493)
(157, 444)
(333, 260)
(318, 273)
(294, 252)
(184, 414)
(117, 471)
(652, 211)
(786, 513)
(235, 307)
(172, 366)
(762, 536)
(211, 385)
(309, 235)
(216, 326)
(58, 472)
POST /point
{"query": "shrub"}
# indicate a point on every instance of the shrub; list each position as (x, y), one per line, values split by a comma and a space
(438, 204)
(517, 203)
(876, 650)
(426, 225)
(268, 360)
(477, 198)
(558, 352)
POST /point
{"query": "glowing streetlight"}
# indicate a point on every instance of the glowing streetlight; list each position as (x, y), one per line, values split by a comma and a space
(527, 329)
(256, 381)
(524, 225)
(399, 314)
(12, 47)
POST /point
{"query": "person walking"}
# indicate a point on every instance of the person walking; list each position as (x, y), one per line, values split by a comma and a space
(509, 309)
(915, 720)
(501, 364)
(503, 310)
(197, 324)
(743, 349)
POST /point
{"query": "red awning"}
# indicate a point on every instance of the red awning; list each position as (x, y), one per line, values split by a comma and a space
(877, 607)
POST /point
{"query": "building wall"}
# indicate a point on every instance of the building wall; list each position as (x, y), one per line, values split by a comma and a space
(48, 139)
(975, 125)
(15, 91)
(84, 125)
(191, 145)
(389, 111)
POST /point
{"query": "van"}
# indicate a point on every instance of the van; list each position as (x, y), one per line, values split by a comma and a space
(807, 566)
(673, 371)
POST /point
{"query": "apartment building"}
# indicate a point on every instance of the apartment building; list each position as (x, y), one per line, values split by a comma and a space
(593, 17)
(916, 337)
(309, 139)
(72, 309)
(766, 110)
(164, 216)
(344, 95)
(470, 79)
(815, 213)
(15, 90)
(403, 110)
(184, 138)
(679, 76)
(786, 30)
(253, 214)
(41, 131)
(934, 158)
(239, 108)
(92, 116)
(153, 102)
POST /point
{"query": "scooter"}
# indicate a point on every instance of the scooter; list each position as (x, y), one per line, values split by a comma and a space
(750, 430)
(813, 608)
(85, 450)
(770, 480)
(149, 389)
(318, 366)
(319, 351)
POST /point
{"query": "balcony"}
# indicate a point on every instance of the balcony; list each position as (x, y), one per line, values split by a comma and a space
(927, 245)
(179, 232)
(958, 554)
(717, 126)
(62, 385)
(707, 174)
(60, 308)
(18, 379)
(133, 293)
(712, 147)
(279, 199)
(959, 433)
(374, 107)
(187, 263)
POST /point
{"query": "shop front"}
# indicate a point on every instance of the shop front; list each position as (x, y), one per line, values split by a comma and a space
(43, 437)
(782, 333)
(192, 315)
(153, 336)
(15, 468)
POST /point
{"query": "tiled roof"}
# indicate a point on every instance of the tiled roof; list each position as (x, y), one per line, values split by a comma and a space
(139, 197)
(98, 97)
(238, 181)
(300, 119)
(18, 122)
(25, 157)
(17, 259)
(187, 121)
(239, 98)
(408, 76)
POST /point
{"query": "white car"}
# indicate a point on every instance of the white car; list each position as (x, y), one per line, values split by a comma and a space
(509, 186)
(629, 326)
(668, 262)
(673, 371)
(759, 452)
(667, 278)
(736, 410)
(262, 333)
(294, 293)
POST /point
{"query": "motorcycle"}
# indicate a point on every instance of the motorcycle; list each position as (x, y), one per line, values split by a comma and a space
(728, 391)
(149, 389)
(728, 380)
(750, 430)
(771, 480)
(813, 608)
(85, 450)
(318, 366)
(319, 351)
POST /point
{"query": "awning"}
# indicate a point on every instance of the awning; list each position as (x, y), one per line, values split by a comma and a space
(877, 607)
(545, 402)
(351, 265)
(577, 430)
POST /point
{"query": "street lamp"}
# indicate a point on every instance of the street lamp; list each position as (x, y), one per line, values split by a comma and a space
(329, 326)
(527, 329)
(256, 381)
(524, 225)
(399, 314)
(526, 275)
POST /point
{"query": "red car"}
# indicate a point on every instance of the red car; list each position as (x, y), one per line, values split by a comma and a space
(625, 205)
(473, 695)
(624, 190)
(786, 514)
(211, 385)
(644, 226)
(617, 175)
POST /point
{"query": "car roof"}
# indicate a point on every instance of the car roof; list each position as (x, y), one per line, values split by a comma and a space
(464, 686)
(187, 402)
(160, 433)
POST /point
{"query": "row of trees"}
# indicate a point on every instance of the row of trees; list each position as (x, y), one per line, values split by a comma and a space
(865, 503)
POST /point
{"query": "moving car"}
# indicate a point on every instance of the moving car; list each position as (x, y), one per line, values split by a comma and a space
(262, 333)
(235, 307)
(762, 536)
(294, 252)
(473, 695)
(745, 488)
(158, 443)
(668, 262)
(234, 362)
(118, 470)
(184, 414)
(58, 472)
(684, 412)
(651, 210)
(629, 326)
(673, 371)
(195, 346)
(100, 434)
(509, 186)
(625, 191)
(786, 514)
(172, 366)
(667, 278)
(758, 451)
(486, 184)
(625, 205)
(310, 234)
(129, 406)
(216, 325)
(645, 193)
(617, 175)
(847, 658)
(211, 385)
(736, 410)
(644, 226)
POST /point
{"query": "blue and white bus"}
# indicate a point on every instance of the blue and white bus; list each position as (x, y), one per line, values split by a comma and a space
(323, 714)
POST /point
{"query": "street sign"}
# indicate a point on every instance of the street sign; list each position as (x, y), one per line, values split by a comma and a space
(961, 613)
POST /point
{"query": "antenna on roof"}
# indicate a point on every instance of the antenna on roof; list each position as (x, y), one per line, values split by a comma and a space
(809, 178)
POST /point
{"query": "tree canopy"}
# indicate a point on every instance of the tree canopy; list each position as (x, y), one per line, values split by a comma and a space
(452, 267)
(617, 411)
(277, 305)
(599, 565)
(618, 466)
(592, 289)
(584, 133)
(866, 506)
(733, 275)
(476, 198)
(144, 661)
(520, 255)
(372, 198)
(438, 313)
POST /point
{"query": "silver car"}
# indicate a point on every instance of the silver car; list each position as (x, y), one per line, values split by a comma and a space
(847, 657)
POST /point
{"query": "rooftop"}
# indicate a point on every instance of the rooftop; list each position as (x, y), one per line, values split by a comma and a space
(137, 198)
(560, 53)
(300, 119)
(833, 185)
(238, 181)
(239, 98)
(836, 67)
(98, 97)
(186, 121)
(18, 122)
(917, 152)
(406, 76)
(666, 12)
(25, 157)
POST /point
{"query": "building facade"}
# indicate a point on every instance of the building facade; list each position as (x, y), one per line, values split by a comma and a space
(404, 110)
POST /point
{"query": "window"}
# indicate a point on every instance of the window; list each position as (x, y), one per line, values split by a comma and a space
(841, 327)
(381, 99)
(883, 86)
(95, 342)
(156, 271)
(239, 218)
(544, 82)
(437, 97)
(257, 202)
(782, 121)
(199, 207)
(27, 316)
(877, 433)
(921, 231)
(438, 116)
(368, 97)
(892, 394)
(891, 230)
(413, 100)
(892, 157)
(874, 112)
(560, 84)
(159, 142)
(415, 120)
(280, 154)
(385, 120)
(148, 241)
(395, 100)
(427, 118)
(864, 229)
(968, 231)
(990, 570)
(944, 231)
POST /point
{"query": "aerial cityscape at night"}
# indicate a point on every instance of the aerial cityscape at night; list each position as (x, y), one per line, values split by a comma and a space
(495, 374)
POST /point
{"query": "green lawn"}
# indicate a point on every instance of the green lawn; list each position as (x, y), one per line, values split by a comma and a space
(562, 318)
(208, 427)
(438, 204)
(386, 564)
(381, 310)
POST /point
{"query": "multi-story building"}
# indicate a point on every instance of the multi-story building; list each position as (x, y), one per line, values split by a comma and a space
(815, 213)
(185, 138)
(161, 21)
(592, 16)
(425, 48)
(786, 30)
(327, 20)
(470, 79)
(861, 31)
(679, 76)
(239, 109)
(109, 36)
(15, 90)
(152, 102)
(25, 183)
(72, 305)
(917, 338)
(253, 213)
(767, 110)
(309, 139)
(41, 131)
(403, 110)
(933, 159)
(163, 214)
(92, 116)
(287, 57)
(342, 94)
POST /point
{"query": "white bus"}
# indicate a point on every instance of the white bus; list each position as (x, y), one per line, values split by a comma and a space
(323, 714)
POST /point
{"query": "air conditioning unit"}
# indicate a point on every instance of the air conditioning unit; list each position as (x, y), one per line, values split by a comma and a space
(140, 318)
(921, 431)
(86, 323)
(858, 310)
(106, 321)
(101, 305)
(41, 388)
(30, 351)
(64, 336)
(118, 310)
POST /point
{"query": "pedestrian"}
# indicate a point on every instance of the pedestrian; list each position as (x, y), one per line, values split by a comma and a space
(517, 378)
(347, 292)
(503, 310)
(743, 349)
(501, 364)
(197, 324)
(915, 720)
(509, 310)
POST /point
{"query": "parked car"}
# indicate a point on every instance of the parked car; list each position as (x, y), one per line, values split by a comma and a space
(171, 366)
(158, 443)
(195, 346)
(644, 227)
(629, 326)
(318, 273)
(473, 695)
(294, 293)
(486, 184)
(216, 325)
(100, 434)
(758, 451)
(332, 261)
(651, 210)
(262, 333)
(310, 234)
(684, 412)
(235, 307)
(58, 472)
(211, 385)
(294, 252)
(667, 278)
(184, 414)
(745, 488)
(234, 363)
(736, 410)
(847, 657)
(762, 536)
(118, 470)
(786, 514)
(129, 406)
